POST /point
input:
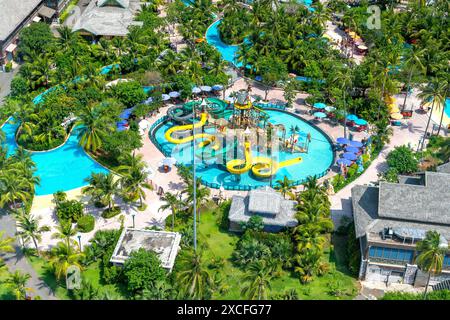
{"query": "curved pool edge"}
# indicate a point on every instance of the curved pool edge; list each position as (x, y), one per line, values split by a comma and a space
(164, 119)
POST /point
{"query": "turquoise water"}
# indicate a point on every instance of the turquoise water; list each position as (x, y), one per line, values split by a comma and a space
(447, 107)
(64, 168)
(228, 52)
(315, 162)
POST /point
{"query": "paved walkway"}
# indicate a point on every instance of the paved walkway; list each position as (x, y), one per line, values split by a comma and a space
(17, 261)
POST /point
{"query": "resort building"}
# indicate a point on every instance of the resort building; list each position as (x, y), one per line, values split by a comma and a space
(390, 219)
(164, 244)
(277, 213)
(108, 18)
(16, 15)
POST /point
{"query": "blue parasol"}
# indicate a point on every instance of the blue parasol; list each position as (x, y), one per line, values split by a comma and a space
(148, 101)
(174, 94)
(349, 156)
(319, 105)
(343, 161)
(206, 88)
(319, 115)
(196, 90)
(330, 108)
(352, 117)
(165, 97)
(342, 140)
(217, 87)
(356, 144)
(360, 122)
(351, 149)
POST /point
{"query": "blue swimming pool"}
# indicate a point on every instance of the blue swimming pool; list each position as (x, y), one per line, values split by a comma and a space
(64, 168)
(316, 162)
(447, 107)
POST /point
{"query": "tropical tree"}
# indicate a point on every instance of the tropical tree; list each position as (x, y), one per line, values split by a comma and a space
(103, 187)
(431, 256)
(193, 276)
(63, 256)
(172, 202)
(257, 281)
(28, 228)
(285, 186)
(65, 232)
(6, 244)
(17, 282)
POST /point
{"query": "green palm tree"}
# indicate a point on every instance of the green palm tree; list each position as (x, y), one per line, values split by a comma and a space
(257, 280)
(202, 195)
(414, 64)
(431, 256)
(62, 257)
(193, 276)
(434, 92)
(28, 228)
(172, 202)
(6, 244)
(134, 184)
(285, 186)
(17, 282)
(344, 78)
(65, 232)
(103, 187)
(14, 189)
(94, 126)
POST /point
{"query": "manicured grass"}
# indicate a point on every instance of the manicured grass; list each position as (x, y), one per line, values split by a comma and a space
(220, 244)
(91, 274)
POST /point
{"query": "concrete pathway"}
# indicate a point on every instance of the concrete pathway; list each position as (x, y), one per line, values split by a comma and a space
(17, 261)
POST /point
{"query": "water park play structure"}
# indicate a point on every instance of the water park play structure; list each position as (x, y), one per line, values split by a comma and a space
(232, 142)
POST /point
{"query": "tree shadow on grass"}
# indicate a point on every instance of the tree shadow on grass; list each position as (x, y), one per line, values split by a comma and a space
(337, 254)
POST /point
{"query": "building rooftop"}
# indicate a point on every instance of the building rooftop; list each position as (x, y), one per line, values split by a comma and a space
(404, 206)
(266, 203)
(13, 13)
(444, 168)
(109, 17)
(164, 244)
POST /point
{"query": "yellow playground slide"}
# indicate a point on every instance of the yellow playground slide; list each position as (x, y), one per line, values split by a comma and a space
(261, 167)
(208, 137)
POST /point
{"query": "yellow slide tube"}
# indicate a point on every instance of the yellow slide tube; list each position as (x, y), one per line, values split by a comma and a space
(208, 137)
(265, 167)
(239, 166)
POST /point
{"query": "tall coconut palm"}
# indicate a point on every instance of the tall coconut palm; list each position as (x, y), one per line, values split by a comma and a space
(414, 63)
(433, 93)
(65, 232)
(285, 186)
(202, 194)
(344, 78)
(134, 183)
(431, 256)
(28, 228)
(172, 202)
(103, 187)
(93, 128)
(14, 189)
(257, 280)
(6, 244)
(17, 282)
(193, 276)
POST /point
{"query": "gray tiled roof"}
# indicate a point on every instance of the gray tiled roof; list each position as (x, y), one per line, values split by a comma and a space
(13, 13)
(264, 201)
(108, 20)
(416, 202)
(425, 207)
(444, 168)
(239, 210)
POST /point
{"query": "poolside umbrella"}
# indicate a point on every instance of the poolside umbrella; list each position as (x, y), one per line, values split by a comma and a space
(144, 124)
(320, 115)
(393, 108)
(206, 88)
(174, 94)
(319, 105)
(342, 140)
(343, 161)
(165, 97)
(397, 116)
(355, 144)
(351, 149)
(196, 90)
(352, 117)
(330, 108)
(217, 87)
(360, 122)
(230, 99)
(169, 161)
(349, 156)
(148, 101)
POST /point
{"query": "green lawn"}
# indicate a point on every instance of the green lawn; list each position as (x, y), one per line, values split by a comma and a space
(220, 244)
(91, 273)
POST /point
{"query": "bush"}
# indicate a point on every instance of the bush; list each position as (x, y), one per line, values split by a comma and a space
(129, 93)
(433, 295)
(111, 213)
(86, 223)
(143, 269)
(255, 223)
(70, 210)
(403, 160)
(8, 67)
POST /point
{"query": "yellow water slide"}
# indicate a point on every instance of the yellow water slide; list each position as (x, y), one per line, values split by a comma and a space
(239, 166)
(208, 138)
(265, 167)
(261, 167)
